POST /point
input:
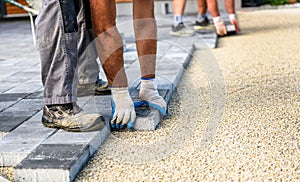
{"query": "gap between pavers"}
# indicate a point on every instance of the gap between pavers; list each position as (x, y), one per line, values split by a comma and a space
(16, 145)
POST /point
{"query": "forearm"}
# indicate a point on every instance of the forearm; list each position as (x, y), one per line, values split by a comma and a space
(212, 6)
(145, 30)
(229, 4)
(108, 41)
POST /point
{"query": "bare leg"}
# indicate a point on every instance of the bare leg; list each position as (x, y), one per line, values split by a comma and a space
(202, 6)
(178, 7)
(109, 42)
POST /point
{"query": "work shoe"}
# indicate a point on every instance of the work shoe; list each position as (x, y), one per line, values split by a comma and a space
(70, 117)
(202, 25)
(99, 88)
(181, 30)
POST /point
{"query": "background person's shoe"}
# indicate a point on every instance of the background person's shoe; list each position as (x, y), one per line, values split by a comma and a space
(181, 30)
(69, 118)
(99, 88)
(202, 25)
(102, 88)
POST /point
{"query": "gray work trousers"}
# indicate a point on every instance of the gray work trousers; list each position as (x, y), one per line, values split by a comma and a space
(64, 40)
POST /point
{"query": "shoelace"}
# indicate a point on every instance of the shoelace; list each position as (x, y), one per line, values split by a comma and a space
(68, 108)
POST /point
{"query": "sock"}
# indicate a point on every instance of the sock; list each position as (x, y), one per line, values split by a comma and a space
(201, 17)
(177, 20)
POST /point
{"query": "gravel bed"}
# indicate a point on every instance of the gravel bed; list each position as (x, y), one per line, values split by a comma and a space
(258, 136)
(7, 173)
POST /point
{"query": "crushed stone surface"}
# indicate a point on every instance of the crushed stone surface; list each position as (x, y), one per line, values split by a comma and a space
(257, 137)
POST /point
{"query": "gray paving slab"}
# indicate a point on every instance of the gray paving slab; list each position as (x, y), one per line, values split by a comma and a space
(6, 97)
(53, 162)
(30, 105)
(9, 123)
(12, 152)
(20, 142)
(5, 105)
(25, 87)
(90, 139)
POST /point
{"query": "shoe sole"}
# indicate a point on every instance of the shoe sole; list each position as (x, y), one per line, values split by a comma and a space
(208, 27)
(103, 92)
(181, 34)
(89, 93)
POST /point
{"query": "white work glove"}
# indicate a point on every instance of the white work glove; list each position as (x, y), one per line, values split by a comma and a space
(233, 20)
(220, 26)
(149, 95)
(123, 112)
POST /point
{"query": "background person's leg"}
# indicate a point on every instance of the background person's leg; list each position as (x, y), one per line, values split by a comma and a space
(178, 7)
(201, 20)
(202, 7)
(178, 28)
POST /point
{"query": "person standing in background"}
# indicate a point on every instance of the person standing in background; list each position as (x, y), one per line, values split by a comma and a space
(201, 22)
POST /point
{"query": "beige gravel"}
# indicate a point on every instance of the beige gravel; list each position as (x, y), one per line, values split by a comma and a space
(7, 173)
(2, 134)
(259, 135)
(258, 138)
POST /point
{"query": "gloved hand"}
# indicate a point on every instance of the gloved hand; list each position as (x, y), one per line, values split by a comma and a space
(122, 109)
(220, 26)
(233, 20)
(149, 96)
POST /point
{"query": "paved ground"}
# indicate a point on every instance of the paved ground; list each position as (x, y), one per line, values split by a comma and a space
(256, 138)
